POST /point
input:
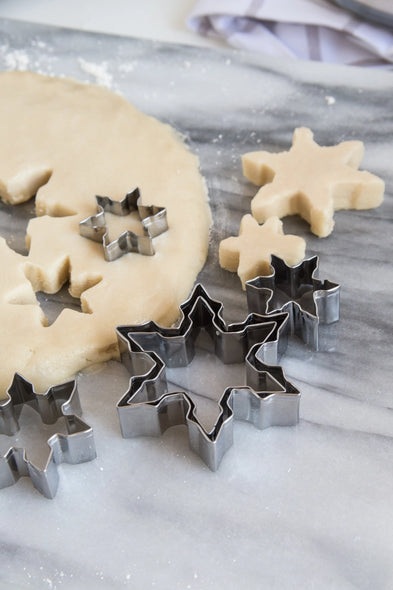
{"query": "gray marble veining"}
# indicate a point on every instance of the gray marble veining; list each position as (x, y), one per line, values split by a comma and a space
(304, 507)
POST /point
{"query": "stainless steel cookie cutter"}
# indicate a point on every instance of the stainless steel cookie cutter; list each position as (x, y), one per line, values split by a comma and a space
(153, 219)
(267, 398)
(76, 446)
(296, 290)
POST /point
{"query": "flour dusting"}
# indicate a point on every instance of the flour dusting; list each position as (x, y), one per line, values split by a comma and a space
(16, 60)
(126, 68)
(330, 100)
(98, 71)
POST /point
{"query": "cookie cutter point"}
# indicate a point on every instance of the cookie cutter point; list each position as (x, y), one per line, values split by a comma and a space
(148, 408)
(75, 446)
(231, 342)
(297, 290)
(153, 219)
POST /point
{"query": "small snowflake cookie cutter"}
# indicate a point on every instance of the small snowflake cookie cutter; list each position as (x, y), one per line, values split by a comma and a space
(266, 399)
(308, 300)
(75, 446)
(153, 219)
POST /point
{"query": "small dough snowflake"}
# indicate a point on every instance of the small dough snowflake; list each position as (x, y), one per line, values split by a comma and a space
(250, 253)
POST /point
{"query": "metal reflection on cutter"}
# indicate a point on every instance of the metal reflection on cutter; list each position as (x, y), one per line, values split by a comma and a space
(267, 398)
(153, 219)
(76, 446)
(296, 290)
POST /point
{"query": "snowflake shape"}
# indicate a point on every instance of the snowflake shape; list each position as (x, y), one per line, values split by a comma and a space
(74, 446)
(311, 181)
(147, 408)
(153, 218)
(250, 253)
(297, 291)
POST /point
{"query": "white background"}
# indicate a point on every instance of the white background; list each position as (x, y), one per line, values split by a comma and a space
(155, 19)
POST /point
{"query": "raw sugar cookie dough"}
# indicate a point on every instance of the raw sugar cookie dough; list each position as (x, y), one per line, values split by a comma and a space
(312, 181)
(67, 142)
(249, 254)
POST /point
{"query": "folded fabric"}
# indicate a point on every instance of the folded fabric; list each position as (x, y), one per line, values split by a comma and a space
(306, 29)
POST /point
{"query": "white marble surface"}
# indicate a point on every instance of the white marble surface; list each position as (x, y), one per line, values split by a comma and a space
(302, 507)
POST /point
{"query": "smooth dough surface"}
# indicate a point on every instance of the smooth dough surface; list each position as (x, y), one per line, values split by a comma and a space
(66, 142)
(250, 253)
(312, 181)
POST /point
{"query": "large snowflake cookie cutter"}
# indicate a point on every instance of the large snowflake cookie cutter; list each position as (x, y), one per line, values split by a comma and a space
(75, 446)
(308, 300)
(267, 398)
(153, 219)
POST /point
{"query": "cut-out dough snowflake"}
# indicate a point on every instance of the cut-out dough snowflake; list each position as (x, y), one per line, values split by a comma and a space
(311, 181)
(250, 253)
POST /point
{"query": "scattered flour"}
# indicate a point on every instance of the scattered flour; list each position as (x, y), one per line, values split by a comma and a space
(40, 44)
(17, 60)
(98, 71)
(126, 68)
(22, 60)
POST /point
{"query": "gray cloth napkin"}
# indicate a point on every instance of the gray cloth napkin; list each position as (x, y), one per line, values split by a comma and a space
(306, 29)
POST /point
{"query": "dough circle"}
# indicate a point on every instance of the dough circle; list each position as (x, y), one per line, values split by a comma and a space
(65, 142)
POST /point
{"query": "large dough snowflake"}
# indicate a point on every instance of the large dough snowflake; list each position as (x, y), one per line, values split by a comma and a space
(311, 181)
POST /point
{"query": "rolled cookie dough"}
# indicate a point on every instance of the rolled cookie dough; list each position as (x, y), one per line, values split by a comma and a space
(312, 181)
(250, 253)
(66, 142)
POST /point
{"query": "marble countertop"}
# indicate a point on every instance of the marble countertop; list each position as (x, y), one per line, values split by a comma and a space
(298, 507)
